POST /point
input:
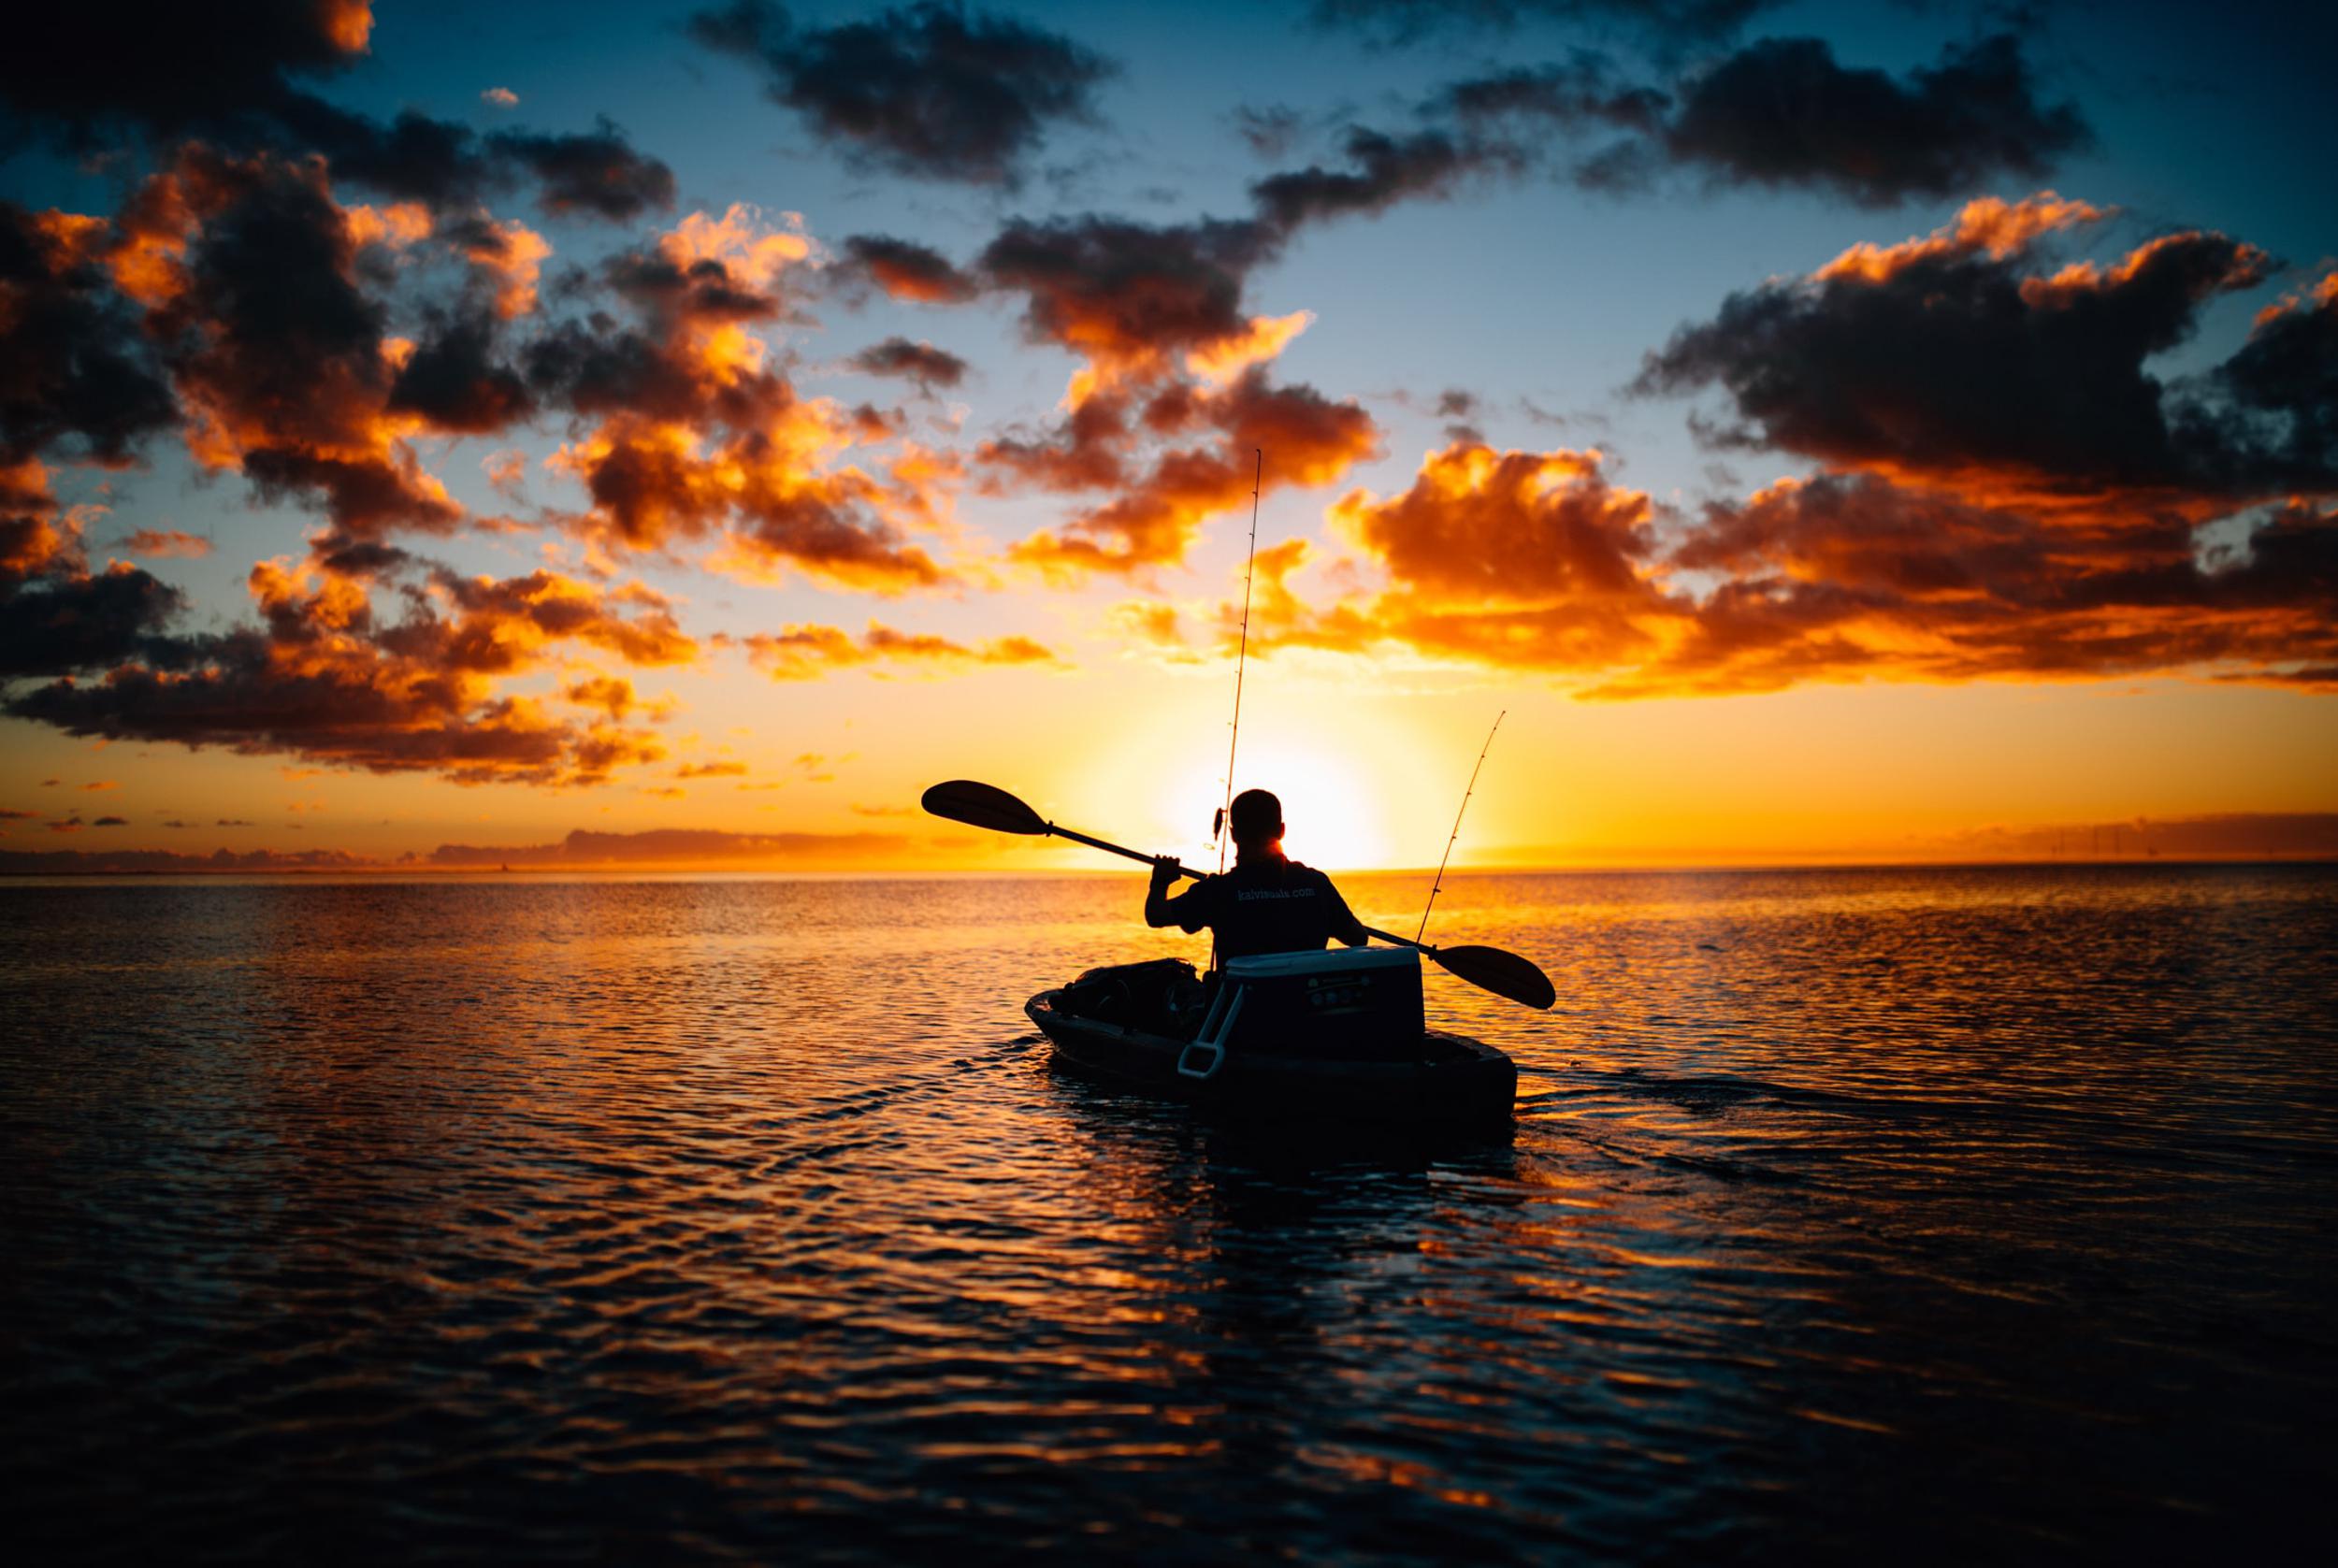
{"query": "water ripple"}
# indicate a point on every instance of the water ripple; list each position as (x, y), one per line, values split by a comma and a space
(741, 1221)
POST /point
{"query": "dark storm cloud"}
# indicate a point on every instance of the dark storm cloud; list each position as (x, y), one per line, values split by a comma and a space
(1117, 290)
(1270, 131)
(80, 77)
(1958, 561)
(279, 351)
(1930, 359)
(323, 679)
(926, 90)
(2285, 373)
(1783, 113)
(1662, 24)
(363, 495)
(412, 158)
(361, 560)
(1851, 575)
(1087, 450)
(907, 270)
(599, 366)
(922, 363)
(1383, 170)
(1583, 89)
(78, 73)
(597, 173)
(56, 616)
(706, 290)
(272, 305)
(458, 381)
(71, 619)
(74, 370)
(1111, 287)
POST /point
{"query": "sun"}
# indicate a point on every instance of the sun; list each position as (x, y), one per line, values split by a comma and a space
(1329, 805)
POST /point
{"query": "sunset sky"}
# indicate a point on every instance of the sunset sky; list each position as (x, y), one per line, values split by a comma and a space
(1827, 431)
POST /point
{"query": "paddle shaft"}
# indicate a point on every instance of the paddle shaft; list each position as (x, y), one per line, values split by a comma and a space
(1117, 849)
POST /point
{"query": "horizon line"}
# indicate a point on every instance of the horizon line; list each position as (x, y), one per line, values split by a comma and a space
(619, 869)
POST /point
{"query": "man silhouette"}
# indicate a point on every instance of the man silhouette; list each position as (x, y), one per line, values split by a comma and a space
(1269, 903)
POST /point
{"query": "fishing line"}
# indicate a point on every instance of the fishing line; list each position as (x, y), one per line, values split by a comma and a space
(1249, 564)
(1435, 887)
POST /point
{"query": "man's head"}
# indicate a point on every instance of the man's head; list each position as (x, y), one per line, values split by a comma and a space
(1257, 820)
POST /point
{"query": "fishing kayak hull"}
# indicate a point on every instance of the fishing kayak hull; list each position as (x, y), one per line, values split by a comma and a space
(1449, 1079)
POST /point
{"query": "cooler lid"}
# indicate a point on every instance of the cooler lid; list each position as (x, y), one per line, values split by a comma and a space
(1336, 960)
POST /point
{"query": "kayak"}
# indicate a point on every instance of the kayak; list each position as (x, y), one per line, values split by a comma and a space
(1336, 1034)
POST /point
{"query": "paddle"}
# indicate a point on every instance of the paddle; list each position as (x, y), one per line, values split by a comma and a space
(986, 806)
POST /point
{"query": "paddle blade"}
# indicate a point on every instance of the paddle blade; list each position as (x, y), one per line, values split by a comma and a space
(1506, 975)
(981, 805)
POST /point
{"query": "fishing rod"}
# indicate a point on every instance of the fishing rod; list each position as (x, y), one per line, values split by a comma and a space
(1435, 887)
(1249, 565)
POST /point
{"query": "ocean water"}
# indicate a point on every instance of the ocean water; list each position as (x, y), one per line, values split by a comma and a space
(1945, 1213)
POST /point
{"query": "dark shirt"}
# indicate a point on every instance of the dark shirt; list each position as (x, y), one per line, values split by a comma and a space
(1266, 904)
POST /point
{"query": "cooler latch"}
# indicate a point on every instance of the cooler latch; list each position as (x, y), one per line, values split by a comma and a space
(1211, 1042)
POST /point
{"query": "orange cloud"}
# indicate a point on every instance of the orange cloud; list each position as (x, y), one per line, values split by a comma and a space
(1534, 562)
(348, 23)
(2320, 295)
(31, 541)
(407, 223)
(1216, 363)
(1155, 520)
(512, 256)
(505, 623)
(740, 241)
(325, 679)
(1989, 226)
(1530, 560)
(248, 268)
(2234, 267)
(807, 653)
(167, 542)
(613, 694)
(699, 438)
(1166, 352)
(1483, 526)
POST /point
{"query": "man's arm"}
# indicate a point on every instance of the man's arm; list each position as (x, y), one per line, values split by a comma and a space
(1187, 910)
(1345, 926)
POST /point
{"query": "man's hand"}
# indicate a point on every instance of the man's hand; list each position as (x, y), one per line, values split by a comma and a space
(1166, 871)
